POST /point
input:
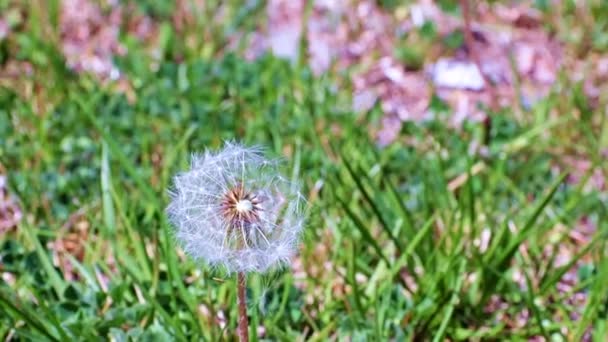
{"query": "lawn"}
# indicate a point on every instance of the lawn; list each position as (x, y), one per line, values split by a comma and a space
(418, 226)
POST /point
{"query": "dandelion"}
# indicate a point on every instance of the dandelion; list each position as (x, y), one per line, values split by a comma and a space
(233, 209)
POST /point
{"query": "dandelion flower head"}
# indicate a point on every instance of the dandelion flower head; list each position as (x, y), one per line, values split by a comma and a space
(234, 209)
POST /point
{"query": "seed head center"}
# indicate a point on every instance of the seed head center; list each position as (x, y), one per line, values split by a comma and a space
(244, 206)
(241, 207)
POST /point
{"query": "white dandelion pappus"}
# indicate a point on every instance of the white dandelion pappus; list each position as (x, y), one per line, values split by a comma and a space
(233, 208)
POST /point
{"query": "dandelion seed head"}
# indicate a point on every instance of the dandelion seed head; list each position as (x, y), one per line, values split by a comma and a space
(234, 209)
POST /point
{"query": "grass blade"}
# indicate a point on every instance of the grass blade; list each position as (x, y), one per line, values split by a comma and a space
(525, 232)
(363, 230)
(372, 204)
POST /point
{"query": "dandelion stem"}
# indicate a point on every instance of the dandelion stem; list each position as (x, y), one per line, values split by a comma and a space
(243, 323)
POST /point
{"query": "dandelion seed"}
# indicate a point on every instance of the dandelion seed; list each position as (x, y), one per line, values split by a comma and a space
(234, 209)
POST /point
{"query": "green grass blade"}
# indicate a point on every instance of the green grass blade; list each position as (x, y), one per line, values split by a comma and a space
(597, 297)
(529, 297)
(411, 246)
(27, 314)
(54, 277)
(367, 236)
(525, 232)
(117, 152)
(106, 197)
(386, 227)
(451, 305)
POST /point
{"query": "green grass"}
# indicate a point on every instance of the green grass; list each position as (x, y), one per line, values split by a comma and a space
(394, 247)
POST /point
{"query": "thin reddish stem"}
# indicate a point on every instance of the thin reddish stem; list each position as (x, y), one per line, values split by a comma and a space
(243, 323)
(470, 43)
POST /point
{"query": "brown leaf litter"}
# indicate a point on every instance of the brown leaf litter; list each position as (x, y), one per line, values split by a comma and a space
(90, 38)
(515, 53)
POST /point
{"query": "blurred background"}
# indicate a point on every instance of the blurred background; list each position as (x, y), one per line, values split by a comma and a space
(453, 154)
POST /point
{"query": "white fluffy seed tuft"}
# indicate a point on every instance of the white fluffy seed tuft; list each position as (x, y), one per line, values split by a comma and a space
(234, 209)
